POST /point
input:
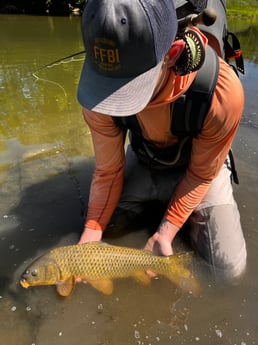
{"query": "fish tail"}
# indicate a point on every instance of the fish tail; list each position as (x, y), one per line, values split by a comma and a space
(178, 273)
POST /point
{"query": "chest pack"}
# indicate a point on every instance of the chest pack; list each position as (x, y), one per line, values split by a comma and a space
(190, 110)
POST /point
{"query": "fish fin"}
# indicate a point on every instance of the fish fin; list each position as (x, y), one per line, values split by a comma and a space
(103, 285)
(142, 277)
(65, 287)
(189, 284)
(182, 276)
(98, 243)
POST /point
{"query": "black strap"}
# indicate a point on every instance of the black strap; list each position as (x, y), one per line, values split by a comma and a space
(129, 122)
(233, 51)
(190, 110)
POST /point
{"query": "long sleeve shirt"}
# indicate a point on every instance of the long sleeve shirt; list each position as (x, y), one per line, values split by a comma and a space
(209, 148)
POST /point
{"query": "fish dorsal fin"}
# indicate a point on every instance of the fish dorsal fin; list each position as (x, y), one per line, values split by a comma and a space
(103, 285)
(65, 287)
(142, 277)
(98, 243)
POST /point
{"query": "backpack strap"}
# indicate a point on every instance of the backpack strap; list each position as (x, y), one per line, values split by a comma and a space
(233, 51)
(190, 110)
(129, 122)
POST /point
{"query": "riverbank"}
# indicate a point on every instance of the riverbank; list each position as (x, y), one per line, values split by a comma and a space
(243, 12)
(242, 9)
(235, 8)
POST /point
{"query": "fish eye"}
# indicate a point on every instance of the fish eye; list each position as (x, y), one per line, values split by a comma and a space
(34, 273)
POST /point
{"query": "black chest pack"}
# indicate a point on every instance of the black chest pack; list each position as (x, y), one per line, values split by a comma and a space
(189, 111)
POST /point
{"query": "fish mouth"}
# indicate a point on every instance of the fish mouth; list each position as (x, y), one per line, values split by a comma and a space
(24, 283)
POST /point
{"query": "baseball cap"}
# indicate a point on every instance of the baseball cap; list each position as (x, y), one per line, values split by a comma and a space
(125, 43)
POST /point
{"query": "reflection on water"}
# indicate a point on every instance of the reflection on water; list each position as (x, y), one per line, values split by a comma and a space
(45, 170)
(247, 31)
(40, 107)
(16, 153)
(250, 85)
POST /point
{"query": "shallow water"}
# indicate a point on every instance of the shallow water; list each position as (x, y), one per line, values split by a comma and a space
(45, 169)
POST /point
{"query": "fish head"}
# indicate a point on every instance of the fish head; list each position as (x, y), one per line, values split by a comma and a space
(43, 271)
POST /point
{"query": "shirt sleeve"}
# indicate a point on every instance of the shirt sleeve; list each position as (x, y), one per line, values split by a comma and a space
(107, 181)
(210, 147)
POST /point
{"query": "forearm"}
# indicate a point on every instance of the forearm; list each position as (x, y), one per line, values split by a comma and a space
(167, 230)
(104, 195)
(106, 185)
(185, 200)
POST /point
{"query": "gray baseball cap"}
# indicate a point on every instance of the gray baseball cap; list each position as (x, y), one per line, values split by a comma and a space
(125, 42)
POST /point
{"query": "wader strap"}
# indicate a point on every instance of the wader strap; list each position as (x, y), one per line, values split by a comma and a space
(187, 118)
(234, 52)
(128, 122)
(196, 102)
(190, 110)
(233, 167)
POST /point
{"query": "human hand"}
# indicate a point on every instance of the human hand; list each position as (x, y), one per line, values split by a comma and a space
(161, 242)
(159, 245)
(88, 235)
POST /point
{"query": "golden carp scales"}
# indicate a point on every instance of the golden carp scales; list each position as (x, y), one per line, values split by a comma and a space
(99, 263)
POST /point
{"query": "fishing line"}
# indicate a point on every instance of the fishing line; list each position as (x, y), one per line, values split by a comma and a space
(64, 60)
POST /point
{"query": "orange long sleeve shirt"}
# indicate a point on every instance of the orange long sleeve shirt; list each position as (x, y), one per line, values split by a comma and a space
(209, 148)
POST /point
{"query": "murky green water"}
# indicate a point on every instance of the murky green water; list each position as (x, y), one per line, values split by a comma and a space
(45, 169)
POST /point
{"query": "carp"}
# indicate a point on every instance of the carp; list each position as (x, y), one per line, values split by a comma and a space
(98, 263)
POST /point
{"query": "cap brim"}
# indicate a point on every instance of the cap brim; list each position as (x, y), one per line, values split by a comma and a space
(116, 96)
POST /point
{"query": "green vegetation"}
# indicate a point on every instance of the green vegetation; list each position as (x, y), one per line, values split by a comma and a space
(239, 8)
(42, 7)
(242, 8)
